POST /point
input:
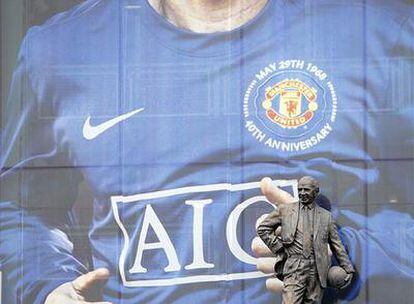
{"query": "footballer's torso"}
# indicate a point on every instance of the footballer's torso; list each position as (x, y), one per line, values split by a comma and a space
(173, 144)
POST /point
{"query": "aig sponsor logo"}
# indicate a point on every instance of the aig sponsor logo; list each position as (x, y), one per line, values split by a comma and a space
(290, 105)
(184, 258)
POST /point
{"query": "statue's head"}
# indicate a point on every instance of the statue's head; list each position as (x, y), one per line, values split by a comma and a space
(308, 189)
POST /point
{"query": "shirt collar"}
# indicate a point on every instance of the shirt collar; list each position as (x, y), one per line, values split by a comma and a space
(309, 206)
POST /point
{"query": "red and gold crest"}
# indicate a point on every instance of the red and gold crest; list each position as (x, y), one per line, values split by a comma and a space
(283, 103)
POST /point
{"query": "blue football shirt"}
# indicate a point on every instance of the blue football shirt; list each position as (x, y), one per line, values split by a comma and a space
(172, 131)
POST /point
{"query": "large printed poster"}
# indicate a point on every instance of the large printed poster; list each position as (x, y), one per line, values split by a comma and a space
(134, 141)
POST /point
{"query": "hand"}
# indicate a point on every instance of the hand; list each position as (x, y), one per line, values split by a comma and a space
(83, 290)
(275, 195)
(266, 259)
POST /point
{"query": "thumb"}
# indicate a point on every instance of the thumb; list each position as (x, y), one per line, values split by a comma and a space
(87, 281)
(274, 194)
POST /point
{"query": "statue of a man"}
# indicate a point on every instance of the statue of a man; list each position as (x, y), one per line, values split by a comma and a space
(306, 231)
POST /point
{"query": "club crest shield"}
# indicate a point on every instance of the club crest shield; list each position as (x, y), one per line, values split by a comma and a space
(284, 106)
(290, 105)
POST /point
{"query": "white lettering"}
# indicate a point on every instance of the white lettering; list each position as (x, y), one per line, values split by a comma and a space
(300, 145)
(256, 133)
(198, 252)
(273, 143)
(151, 219)
(266, 71)
(231, 230)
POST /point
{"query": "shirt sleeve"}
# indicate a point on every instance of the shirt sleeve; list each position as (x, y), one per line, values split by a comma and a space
(267, 231)
(338, 248)
(37, 192)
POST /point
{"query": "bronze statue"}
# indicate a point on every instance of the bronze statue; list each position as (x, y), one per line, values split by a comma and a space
(302, 246)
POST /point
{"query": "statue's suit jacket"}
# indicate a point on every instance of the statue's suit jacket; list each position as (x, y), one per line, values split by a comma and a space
(324, 233)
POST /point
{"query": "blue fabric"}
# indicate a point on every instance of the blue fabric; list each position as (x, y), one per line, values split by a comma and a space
(304, 88)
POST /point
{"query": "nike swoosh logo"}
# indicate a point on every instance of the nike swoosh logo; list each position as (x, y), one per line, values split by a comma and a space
(90, 132)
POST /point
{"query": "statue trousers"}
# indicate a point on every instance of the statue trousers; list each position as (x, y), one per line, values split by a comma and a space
(301, 282)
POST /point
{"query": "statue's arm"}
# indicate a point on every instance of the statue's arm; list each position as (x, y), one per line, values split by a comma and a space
(338, 248)
(267, 231)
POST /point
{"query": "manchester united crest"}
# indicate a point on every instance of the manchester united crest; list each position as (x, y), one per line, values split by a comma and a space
(290, 105)
(283, 103)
